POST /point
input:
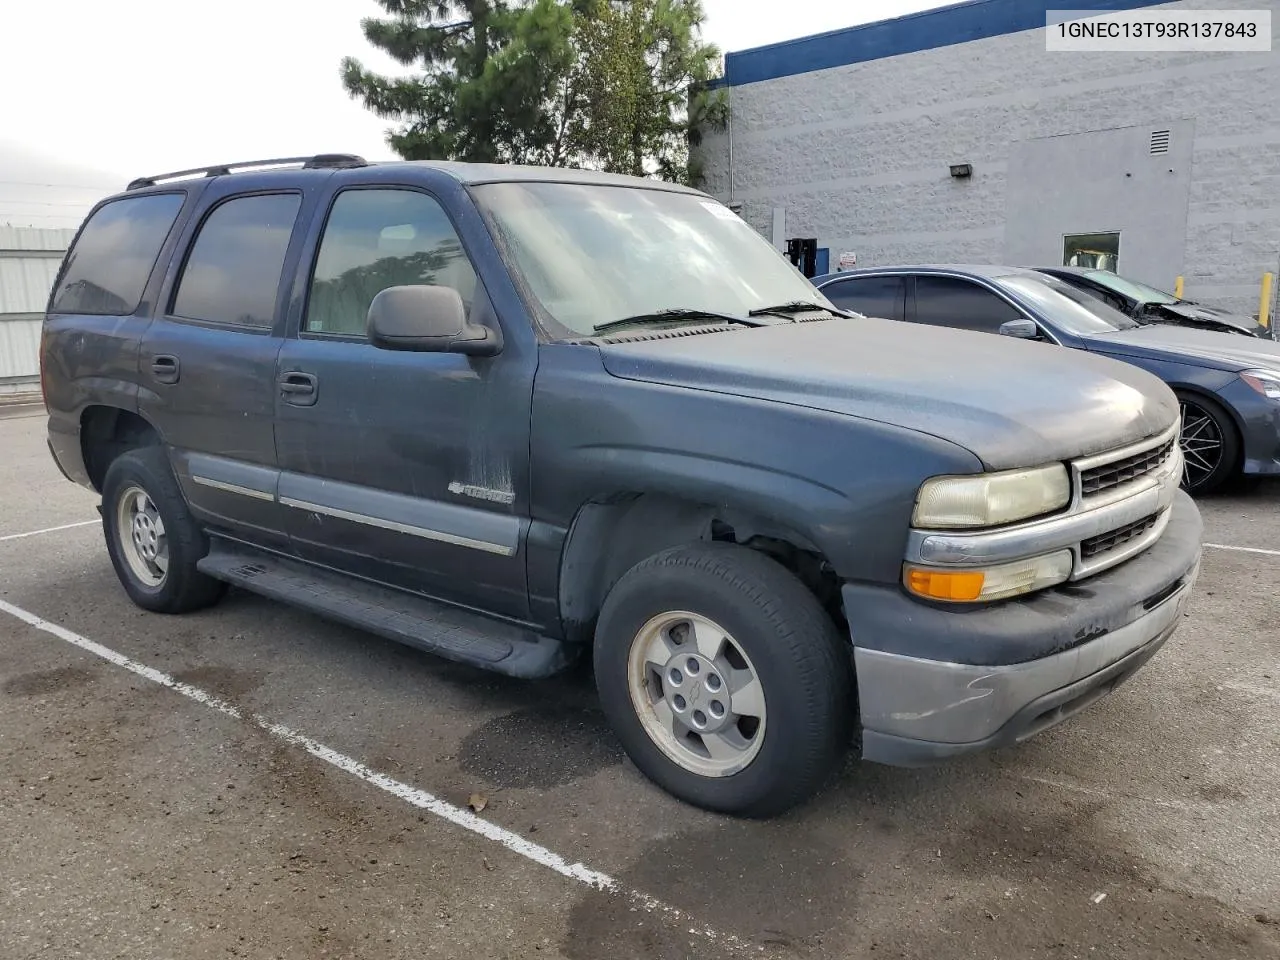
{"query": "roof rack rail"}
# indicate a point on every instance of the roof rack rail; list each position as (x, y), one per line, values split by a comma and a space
(319, 161)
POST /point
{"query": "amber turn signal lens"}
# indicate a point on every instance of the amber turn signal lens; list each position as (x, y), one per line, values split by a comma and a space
(990, 583)
(945, 584)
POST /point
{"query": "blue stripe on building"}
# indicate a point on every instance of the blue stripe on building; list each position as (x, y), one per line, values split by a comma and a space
(927, 30)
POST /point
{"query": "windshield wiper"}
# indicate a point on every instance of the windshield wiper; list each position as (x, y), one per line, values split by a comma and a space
(677, 315)
(792, 307)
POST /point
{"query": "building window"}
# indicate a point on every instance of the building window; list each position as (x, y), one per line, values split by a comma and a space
(1100, 251)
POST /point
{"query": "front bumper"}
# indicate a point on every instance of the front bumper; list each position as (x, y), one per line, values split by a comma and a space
(935, 683)
(1259, 422)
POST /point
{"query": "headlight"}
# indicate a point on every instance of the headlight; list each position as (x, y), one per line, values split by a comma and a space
(984, 584)
(1266, 382)
(991, 499)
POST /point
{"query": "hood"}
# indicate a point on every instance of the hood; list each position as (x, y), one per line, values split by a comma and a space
(1011, 403)
(1198, 313)
(1202, 348)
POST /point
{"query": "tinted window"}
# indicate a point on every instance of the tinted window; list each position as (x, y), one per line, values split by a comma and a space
(376, 239)
(108, 267)
(1062, 304)
(949, 302)
(233, 272)
(872, 296)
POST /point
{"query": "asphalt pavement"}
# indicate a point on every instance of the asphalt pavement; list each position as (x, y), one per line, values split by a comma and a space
(252, 781)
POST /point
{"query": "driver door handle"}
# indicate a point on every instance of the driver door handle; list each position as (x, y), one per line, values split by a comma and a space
(299, 389)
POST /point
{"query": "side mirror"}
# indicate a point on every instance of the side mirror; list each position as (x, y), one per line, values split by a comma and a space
(1022, 328)
(427, 319)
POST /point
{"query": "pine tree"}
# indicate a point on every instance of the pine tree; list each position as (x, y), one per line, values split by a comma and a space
(612, 84)
(487, 74)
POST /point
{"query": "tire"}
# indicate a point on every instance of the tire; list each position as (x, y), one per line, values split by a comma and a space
(169, 531)
(774, 626)
(1207, 432)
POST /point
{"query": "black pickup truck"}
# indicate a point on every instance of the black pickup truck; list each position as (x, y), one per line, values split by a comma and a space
(517, 416)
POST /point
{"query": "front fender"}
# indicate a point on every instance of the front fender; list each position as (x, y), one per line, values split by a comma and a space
(845, 485)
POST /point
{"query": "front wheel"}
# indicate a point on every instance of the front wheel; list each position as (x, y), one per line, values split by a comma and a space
(1210, 444)
(724, 678)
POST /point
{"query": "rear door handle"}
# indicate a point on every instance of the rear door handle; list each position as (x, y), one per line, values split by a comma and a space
(299, 389)
(165, 368)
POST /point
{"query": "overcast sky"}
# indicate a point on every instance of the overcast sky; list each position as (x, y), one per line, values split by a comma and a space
(100, 91)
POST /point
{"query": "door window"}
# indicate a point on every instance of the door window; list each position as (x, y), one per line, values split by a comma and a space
(108, 267)
(232, 274)
(870, 296)
(375, 239)
(963, 304)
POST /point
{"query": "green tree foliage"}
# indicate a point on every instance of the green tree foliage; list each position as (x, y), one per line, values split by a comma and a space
(643, 68)
(487, 71)
(611, 84)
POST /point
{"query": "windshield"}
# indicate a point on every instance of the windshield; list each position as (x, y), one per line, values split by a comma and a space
(593, 254)
(1074, 310)
(1130, 288)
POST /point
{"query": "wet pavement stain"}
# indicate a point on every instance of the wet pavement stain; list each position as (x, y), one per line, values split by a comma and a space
(44, 682)
(1219, 793)
(991, 883)
(1054, 863)
(779, 886)
(540, 747)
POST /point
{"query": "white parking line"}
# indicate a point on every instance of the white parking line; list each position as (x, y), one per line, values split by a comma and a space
(1223, 546)
(403, 791)
(36, 533)
(1109, 794)
(1253, 689)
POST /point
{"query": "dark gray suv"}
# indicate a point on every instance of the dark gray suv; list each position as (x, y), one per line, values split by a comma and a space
(517, 416)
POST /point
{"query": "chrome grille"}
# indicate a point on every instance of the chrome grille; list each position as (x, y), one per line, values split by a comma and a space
(1107, 476)
(1116, 538)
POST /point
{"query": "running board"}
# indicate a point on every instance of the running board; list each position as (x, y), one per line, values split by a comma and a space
(435, 627)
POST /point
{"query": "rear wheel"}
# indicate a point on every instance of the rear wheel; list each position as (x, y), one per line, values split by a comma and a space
(1210, 444)
(724, 678)
(153, 540)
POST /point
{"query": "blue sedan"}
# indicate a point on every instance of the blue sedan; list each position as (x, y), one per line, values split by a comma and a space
(1229, 386)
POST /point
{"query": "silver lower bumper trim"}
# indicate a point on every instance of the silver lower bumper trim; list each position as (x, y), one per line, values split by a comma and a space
(956, 703)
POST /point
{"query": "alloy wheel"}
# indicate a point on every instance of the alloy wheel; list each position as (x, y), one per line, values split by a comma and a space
(697, 694)
(1202, 444)
(142, 536)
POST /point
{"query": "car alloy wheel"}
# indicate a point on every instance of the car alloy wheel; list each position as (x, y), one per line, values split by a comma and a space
(142, 536)
(696, 693)
(1202, 445)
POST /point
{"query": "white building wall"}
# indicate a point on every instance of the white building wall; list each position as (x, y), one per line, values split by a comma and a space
(29, 262)
(859, 155)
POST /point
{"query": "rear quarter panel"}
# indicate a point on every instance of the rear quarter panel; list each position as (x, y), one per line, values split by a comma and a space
(88, 360)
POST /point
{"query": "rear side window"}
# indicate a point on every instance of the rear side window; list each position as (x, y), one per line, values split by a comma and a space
(871, 296)
(232, 274)
(107, 269)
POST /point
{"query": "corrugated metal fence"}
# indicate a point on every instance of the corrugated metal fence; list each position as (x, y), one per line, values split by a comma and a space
(29, 261)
